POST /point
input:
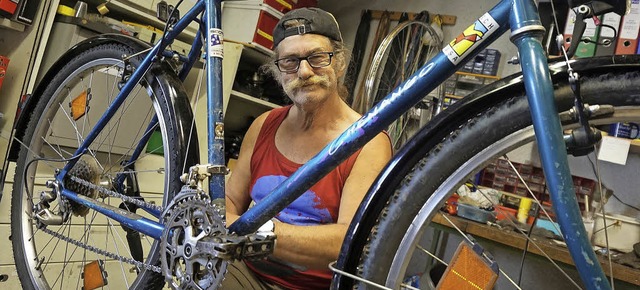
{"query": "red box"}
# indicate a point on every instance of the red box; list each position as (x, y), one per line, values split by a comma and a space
(503, 212)
(4, 63)
(8, 7)
(282, 6)
(250, 22)
(306, 3)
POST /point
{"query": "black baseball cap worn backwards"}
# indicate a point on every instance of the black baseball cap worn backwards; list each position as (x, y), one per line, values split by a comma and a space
(317, 21)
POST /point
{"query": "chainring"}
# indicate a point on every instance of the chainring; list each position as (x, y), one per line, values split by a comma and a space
(189, 218)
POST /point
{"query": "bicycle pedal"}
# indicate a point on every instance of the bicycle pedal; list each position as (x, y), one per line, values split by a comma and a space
(94, 275)
(468, 269)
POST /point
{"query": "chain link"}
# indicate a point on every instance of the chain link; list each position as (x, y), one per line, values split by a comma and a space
(137, 202)
(99, 251)
(126, 198)
(247, 242)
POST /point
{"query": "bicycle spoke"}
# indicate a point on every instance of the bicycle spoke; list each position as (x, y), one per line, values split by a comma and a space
(110, 228)
(88, 235)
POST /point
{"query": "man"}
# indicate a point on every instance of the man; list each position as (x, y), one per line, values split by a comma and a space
(309, 63)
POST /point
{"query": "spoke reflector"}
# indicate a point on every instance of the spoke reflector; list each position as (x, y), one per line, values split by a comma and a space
(94, 275)
(79, 106)
(468, 270)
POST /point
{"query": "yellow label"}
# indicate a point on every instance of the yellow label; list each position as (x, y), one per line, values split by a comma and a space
(265, 35)
(469, 39)
(285, 4)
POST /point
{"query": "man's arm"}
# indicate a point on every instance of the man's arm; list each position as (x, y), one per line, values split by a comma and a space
(237, 187)
(317, 246)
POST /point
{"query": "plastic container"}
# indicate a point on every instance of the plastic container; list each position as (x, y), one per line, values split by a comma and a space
(250, 22)
(550, 225)
(504, 213)
(523, 210)
(475, 213)
(623, 232)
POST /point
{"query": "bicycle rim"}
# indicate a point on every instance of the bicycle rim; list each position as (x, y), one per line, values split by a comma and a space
(400, 54)
(90, 82)
(408, 221)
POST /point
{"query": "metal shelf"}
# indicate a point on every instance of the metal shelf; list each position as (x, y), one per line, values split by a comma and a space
(130, 11)
(254, 100)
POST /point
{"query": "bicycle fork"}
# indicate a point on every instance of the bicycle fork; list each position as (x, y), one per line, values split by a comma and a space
(526, 34)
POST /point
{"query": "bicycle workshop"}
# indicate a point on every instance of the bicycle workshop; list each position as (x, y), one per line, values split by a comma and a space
(460, 191)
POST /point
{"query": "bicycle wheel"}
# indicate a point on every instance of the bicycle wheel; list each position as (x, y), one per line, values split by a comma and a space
(409, 234)
(401, 53)
(72, 102)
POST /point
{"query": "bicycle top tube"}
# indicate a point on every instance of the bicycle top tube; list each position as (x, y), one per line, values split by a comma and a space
(523, 20)
(476, 37)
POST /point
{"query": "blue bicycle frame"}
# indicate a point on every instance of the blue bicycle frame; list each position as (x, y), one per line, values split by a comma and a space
(520, 16)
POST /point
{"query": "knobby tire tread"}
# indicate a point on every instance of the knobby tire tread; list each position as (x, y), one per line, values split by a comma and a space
(470, 137)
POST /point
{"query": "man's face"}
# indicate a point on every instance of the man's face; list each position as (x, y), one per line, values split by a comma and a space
(308, 85)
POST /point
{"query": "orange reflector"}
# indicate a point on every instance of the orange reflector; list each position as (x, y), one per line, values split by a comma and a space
(468, 271)
(79, 106)
(94, 275)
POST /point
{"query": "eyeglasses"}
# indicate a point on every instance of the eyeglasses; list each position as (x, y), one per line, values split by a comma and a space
(315, 60)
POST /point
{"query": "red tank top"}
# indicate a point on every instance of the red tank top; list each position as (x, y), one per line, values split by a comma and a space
(318, 205)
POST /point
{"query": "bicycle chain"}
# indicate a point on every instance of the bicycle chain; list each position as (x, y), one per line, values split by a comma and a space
(102, 252)
(99, 251)
(126, 198)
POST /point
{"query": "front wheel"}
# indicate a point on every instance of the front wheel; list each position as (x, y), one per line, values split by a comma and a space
(141, 152)
(413, 240)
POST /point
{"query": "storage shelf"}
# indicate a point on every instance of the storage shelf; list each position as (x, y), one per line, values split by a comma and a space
(635, 143)
(136, 13)
(6, 23)
(517, 241)
(254, 100)
(454, 96)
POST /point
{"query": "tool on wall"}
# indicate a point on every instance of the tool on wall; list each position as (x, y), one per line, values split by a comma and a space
(381, 32)
(357, 54)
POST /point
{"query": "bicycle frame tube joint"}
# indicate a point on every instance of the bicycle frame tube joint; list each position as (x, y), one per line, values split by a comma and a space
(215, 117)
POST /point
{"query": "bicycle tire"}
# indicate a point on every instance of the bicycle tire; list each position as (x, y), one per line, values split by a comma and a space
(160, 94)
(426, 186)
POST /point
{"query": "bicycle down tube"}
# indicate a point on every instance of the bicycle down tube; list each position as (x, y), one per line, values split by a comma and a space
(518, 15)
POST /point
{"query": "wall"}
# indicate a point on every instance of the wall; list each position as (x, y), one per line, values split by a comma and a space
(348, 15)
(22, 49)
(621, 179)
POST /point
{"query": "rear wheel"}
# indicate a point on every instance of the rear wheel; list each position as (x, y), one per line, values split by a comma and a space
(408, 241)
(66, 112)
